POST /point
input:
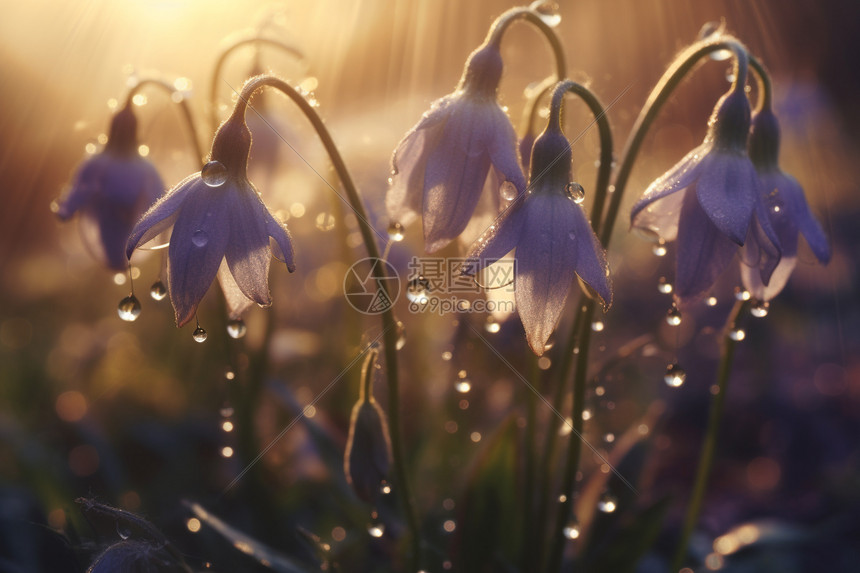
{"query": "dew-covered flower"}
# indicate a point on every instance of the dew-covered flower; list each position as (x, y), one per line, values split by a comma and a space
(787, 211)
(440, 167)
(220, 227)
(553, 242)
(711, 202)
(111, 190)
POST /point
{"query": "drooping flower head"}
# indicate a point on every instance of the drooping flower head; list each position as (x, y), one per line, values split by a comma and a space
(552, 238)
(711, 202)
(440, 167)
(787, 212)
(111, 190)
(220, 227)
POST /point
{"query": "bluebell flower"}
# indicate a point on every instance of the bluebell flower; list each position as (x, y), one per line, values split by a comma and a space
(440, 167)
(787, 211)
(552, 239)
(711, 202)
(111, 190)
(220, 227)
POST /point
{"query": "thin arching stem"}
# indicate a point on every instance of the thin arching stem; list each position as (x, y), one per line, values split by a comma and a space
(497, 30)
(183, 106)
(389, 322)
(222, 59)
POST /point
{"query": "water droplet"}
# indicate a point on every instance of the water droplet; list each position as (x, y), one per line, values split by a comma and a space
(463, 386)
(544, 363)
(659, 248)
(711, 301)
(597, 326)
(730, 75)
(607, 503)
(324, 221)
(509, 191)
(129, 308)
(576, 192)
(664, 286)
(742, 293)
(675, 375)
(737, 334)
(229, 374)
(199, 335)
(401, 336)
(462, 374)
(158, 291)
(492, 325)
(396, 231)
(571, 530)
(418, 289)
(236, 328)
(760, 309)
(609, 437)
(384, 487)
(123, 531)
(572, 236)
(446, 356)
(214, 174)
(673, 316)
(226, 411)
(548, 12)
(199, 238)
(375, 528)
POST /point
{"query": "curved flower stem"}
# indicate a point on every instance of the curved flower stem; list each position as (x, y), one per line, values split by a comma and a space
(534, 96)
(528, 499)
(765, 86)
(389, 322)
(497, 30)
(183, 106)
(222, 58)
(709, 447)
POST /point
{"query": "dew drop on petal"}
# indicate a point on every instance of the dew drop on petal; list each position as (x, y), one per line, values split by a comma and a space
(236, 328)
(214, 174)
(129, 308)
(571, 530)
(664, 286)
(199, 335)
(396, 232)
(509, 191)
(737, 334)
(673, 316)
(572, 236)
(675, 375)
(158, 291)
(123, 532)
(607, 503)
(760, 309)
(576, 192)
(199, 238)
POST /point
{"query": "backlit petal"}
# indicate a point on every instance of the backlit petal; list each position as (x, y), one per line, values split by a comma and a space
(160, 216)
(247, 252)
(727, 191)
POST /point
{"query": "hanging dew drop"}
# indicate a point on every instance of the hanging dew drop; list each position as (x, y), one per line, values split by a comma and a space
(675, 375)
(492, 325)
(214, 174)
(576, 192)
(384, 487)
(401, 336)
(236, 328)
(659, 249)
(664, 286)
(376, 528)
(226, 411)
(711, 301)
(760, 309)
(158, 291)
(463, 386)
(607, 503)
(396, 231)
(571, 530)
(742, 294)
(673, 316)
(199, 335)
(597, 326)
(417, 290)
(509, 191)
(737, 334)
(129, 308)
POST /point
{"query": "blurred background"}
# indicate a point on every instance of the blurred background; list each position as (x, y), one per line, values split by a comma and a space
(133, 414)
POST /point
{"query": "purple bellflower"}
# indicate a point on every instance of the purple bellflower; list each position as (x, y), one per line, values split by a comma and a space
(711, 202)
(111, 190)
(220, 227)
(440, 167)
(787, 211)
(553, 239)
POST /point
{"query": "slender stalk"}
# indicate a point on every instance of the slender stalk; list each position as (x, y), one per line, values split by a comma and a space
(222, 58)
(709, 447)
(389, 322)
(529, 478)
(183, 106)
(497, 30)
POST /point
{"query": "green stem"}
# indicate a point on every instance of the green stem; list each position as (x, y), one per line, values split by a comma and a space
(709, 447)
(183, 107)
(222, 58)
(497, 30)
(389, 322)
(528, 497)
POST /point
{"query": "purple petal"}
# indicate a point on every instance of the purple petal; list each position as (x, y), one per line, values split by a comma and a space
(503, 151)
(487, 209)
(727, 189)
(797, 209)
(591, 265)
(704, 252)
(760, 290)
(161, 216)
(197, 245)
(498, 240)
(237, 302)
(661, 217)
(283, 240)
(546, 258)
(247, 251)
(86, 186)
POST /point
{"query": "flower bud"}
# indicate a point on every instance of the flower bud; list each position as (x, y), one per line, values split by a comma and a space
(730, 122)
